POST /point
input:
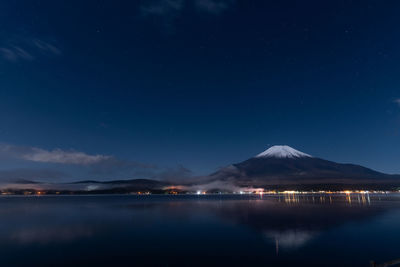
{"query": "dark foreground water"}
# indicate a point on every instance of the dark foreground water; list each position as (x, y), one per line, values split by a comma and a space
(199, 230)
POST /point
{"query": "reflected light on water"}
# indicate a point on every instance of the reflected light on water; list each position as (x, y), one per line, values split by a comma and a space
(350, 198)
(260, 226)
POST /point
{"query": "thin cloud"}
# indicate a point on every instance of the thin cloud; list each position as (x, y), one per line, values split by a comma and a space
(84, 165)
(26, 49)
(397, 101)
(80, 165)
(161, 7)
(51, 156)
(213, 6)
(15, 53)
(63, 157)
(46, 47)
(168, 10)
(163, 11)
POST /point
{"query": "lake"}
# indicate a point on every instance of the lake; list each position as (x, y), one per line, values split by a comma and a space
(188, 230)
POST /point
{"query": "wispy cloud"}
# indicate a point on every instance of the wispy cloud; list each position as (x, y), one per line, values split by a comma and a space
(46, 46)
(168, 10)
(64, 157)
(161, 7)
(213, 6)
(164, 11)
(171, 7)
(81, 165)
(51, 156)
(14, 53)
(397, 101)
(26, 49)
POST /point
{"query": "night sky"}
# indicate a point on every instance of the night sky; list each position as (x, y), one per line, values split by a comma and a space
(131, 89)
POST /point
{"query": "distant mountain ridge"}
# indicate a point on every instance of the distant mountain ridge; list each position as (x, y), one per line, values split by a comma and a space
(278, 167)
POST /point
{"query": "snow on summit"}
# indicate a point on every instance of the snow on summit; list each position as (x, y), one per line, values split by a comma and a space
(282, 152)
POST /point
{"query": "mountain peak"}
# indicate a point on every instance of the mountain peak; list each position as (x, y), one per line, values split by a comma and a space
(282, 152)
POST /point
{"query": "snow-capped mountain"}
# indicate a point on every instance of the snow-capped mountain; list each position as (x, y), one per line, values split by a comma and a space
(282, 152)
(284, 165)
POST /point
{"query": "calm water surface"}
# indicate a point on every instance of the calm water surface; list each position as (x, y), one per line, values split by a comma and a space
(199, 230)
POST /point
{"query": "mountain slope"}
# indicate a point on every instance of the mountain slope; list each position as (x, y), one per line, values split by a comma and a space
(285, 165)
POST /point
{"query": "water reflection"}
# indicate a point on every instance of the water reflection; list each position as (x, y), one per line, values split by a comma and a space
(292, 220)
(45, 234)
(266, 229)
(289, 198)
(290, 238)
(289, 220)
